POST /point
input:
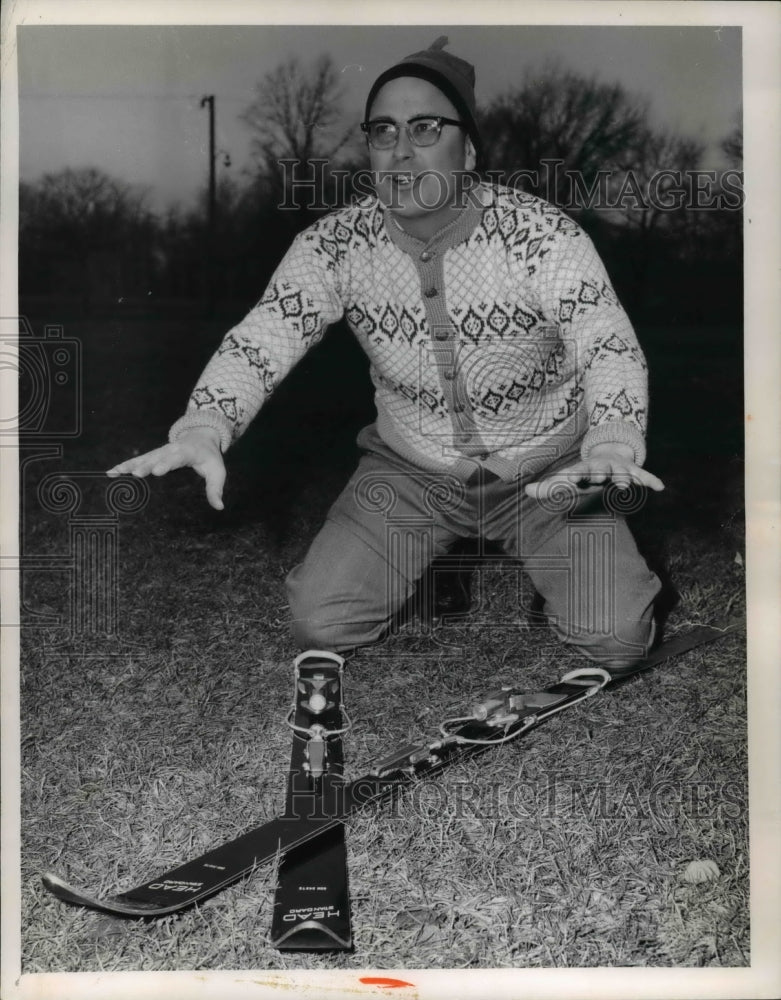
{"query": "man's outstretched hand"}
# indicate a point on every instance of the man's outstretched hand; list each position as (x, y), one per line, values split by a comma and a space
(613, 462)
(198, 449)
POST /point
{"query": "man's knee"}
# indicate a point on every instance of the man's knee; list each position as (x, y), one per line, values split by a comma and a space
(323, 619)
(310, 626)
(311, 633)
(611, 624)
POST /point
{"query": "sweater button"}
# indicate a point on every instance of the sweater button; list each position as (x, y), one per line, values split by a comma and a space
(426, 255)
(449, 373)
(441, 334)
(431, 293)
(458, 408)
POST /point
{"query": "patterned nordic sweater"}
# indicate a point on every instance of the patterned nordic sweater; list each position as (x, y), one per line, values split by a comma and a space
(500, 341)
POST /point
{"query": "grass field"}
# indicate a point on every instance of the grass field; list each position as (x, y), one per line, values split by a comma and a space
(140, 749)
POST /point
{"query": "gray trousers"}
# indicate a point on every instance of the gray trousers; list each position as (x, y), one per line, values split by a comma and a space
(393, 518)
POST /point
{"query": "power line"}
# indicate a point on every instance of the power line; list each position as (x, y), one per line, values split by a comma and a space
(190, 98)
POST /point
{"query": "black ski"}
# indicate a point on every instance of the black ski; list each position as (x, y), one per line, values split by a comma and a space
(312, 905)
(504, 715)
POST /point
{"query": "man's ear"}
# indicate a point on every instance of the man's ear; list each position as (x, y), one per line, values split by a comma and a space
(470, 154)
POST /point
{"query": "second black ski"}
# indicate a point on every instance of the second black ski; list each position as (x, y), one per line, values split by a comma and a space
(312, 905)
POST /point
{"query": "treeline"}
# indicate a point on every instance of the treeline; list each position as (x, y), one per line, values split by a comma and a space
(669, 232)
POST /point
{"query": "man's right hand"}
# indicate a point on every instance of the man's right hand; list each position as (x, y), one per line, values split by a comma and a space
(197, 449)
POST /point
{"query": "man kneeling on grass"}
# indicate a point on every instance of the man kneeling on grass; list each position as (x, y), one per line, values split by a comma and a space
(503, 366)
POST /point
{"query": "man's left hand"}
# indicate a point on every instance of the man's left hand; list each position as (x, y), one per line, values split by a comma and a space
(605, 462)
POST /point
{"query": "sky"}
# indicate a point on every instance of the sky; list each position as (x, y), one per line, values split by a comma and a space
(126, 99)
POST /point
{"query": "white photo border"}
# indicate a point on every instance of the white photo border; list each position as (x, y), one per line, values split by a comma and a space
(761, 25)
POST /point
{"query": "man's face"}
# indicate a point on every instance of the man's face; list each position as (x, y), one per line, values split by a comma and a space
(417, 183)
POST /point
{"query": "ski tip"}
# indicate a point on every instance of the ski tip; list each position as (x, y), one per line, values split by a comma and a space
(116, 906)
(62, 890)
(54, 882)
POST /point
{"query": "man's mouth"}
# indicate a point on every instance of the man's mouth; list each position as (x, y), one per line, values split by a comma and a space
(401, 180)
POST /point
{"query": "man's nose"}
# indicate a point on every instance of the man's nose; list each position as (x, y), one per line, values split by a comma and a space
(403, 148)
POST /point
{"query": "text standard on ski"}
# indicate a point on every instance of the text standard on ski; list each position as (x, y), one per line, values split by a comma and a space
(503, 366)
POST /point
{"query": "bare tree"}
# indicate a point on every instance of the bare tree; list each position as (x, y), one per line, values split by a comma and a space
(84, 203)
(655, 192)
(297, 115)
(726, 224)
(558, 117)
(88, 225)
(651, 201)
(732, 147)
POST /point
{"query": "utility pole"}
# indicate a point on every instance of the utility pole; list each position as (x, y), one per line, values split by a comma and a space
(212, 208)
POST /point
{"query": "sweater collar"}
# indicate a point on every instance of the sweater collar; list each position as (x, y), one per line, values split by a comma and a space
(455, 232)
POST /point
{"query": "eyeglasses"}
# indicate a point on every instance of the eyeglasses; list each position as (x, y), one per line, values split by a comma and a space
(422, 130)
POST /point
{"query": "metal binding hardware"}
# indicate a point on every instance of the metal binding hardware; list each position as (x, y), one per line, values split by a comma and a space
(602, 676)
(492, 702)
(505, 720)
(318, 684)
(503, 708)
(407, 755)
(316, 753)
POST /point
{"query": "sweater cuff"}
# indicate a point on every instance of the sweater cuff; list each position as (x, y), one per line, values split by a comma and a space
(615, 432)
(203, 418)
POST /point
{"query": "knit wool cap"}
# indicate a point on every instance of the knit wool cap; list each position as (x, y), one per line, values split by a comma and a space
(453, 76)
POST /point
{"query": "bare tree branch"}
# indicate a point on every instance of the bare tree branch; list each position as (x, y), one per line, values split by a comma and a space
(296, 114)
(732, 147)
(557, 115)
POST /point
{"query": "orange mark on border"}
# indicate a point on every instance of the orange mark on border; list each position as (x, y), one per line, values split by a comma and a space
(383, 981)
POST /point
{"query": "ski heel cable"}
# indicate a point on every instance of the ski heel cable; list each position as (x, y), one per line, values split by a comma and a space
(509, 707)
(516, 712)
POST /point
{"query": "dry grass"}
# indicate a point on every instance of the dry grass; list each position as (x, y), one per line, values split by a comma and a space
(567, 848)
